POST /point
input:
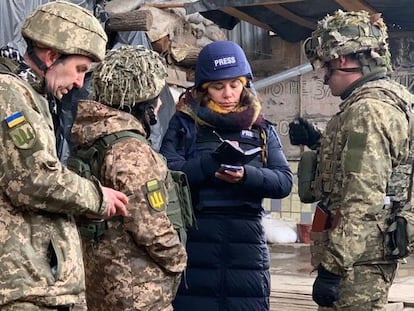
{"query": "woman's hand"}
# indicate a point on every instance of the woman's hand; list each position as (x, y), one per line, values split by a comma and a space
(230, 176)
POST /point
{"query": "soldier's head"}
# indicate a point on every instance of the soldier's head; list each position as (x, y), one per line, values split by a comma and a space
(63, 39)
(357, 37)
(130, 78)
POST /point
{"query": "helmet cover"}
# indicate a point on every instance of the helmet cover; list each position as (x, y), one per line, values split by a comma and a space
(128, 75)
(346, 33)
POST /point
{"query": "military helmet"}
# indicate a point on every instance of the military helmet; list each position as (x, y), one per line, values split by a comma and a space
(221, 60)
(66, 27)
(346, 33)
(128, 75)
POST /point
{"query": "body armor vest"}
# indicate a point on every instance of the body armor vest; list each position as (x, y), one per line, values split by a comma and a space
(329, 178)
(216, 193)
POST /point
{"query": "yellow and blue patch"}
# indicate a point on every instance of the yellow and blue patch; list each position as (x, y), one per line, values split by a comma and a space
(21, 132)
(15, 119)
(155, 195)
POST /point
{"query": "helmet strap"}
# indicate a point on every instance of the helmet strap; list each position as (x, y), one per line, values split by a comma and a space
(152, 118)
(32, 54)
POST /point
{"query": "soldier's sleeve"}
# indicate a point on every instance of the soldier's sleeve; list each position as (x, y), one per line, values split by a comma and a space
(133, 167)
(32, 176)
(376, 136)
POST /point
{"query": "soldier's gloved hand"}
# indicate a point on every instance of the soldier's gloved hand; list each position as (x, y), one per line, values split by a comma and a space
(326, 288)
(302, 132)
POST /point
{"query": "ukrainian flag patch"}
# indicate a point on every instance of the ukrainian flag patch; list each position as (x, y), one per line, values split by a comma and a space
(21, 131)
(15, 119)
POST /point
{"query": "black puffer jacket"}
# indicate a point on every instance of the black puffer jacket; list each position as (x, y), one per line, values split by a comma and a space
(228, 259)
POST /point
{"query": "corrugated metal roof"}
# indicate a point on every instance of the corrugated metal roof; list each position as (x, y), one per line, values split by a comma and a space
(294, 20)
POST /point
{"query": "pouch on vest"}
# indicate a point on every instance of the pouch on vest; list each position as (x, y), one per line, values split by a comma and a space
(87, 162)
(306, 176)
(180, 208)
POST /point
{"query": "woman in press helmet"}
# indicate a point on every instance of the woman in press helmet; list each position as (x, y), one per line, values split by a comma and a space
(228, 266)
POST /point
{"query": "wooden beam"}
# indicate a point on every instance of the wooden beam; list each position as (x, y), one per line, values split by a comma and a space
(167, 5)
(280, 10)
(259, 2)
(356, 5)
(240, 15)
(400, 34)
(135, 20)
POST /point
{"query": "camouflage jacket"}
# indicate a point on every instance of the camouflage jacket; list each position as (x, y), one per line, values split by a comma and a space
(138, 262)
(362, 145)
(40, 256)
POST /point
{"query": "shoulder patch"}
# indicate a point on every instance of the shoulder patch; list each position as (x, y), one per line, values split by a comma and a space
(356, 146)
(155, 195)
(21, 131)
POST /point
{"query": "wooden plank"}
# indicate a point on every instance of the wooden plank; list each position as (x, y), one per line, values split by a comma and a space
(355, 5)
(301, 286)
(239, 3)
(240, 15)
(280, 10)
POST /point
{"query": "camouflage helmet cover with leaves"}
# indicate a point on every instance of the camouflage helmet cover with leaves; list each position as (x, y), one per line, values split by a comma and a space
(128, 75)
(68, 28)
(346, 33)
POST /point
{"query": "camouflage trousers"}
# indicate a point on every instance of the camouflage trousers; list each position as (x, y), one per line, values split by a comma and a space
(366, 289)
(27, 306)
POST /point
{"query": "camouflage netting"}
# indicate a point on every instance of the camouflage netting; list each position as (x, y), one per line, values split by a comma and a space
(346, 33)
(127, 76)
(67, 27)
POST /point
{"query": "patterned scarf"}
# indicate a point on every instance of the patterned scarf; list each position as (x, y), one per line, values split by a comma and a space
(241, 118)
(24, 71)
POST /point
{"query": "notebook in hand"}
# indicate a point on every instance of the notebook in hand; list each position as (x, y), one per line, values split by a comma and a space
(229, 153)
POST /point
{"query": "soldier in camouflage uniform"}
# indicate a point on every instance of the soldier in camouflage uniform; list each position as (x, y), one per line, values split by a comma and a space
(363, 145)
(137, 263)
(40, 256)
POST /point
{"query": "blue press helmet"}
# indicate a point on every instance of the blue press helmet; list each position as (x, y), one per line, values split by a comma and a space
(221, 60)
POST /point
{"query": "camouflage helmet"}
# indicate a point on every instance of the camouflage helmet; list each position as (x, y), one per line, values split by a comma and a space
(346, 33)
(127, 76)
(66, 27)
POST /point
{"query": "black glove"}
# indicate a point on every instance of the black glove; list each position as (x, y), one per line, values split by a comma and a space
(326, 288)
(301, 132)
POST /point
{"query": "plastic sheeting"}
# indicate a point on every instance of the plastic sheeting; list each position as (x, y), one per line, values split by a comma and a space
(12, 15)
(14, 12)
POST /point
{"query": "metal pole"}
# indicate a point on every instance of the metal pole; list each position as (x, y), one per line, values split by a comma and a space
(284, 75)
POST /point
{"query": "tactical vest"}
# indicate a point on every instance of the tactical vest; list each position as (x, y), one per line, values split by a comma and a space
(207, 138)
(214, 194)
(87, 162)
(328, 178)
(8, 65)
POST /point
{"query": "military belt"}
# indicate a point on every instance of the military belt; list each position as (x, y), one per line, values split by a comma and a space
(92, 231)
